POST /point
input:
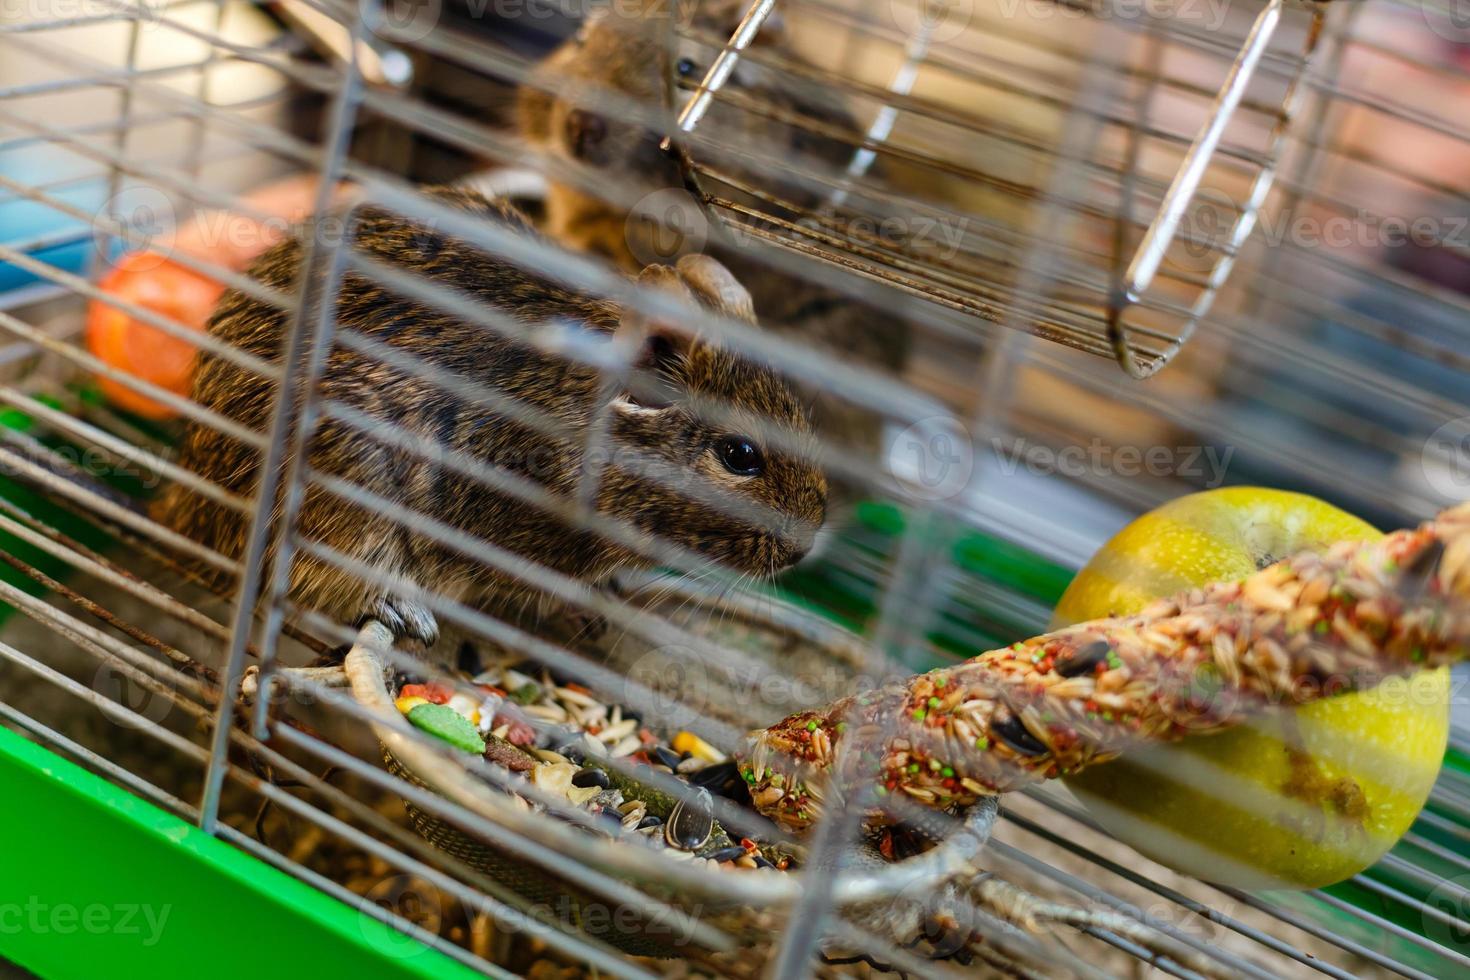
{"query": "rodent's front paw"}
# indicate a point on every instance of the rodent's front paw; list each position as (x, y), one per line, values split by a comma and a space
(407, 620)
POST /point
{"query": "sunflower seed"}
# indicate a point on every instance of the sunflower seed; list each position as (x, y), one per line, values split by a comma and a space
(718, 774)
(1083, 659)
(1421, 570)
(691, 822)
(592, 777)
(1012, 732)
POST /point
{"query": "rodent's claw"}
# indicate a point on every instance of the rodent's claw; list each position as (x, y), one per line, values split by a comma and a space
(405, 619)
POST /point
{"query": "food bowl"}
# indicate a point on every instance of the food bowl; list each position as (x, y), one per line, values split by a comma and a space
(577, 871)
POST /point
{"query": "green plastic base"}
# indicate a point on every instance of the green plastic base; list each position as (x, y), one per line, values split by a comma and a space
(95, 882)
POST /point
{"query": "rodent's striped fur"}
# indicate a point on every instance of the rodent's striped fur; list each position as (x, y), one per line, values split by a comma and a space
(791, 487)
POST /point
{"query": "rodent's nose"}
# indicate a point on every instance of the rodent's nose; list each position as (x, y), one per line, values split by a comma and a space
(797, 537)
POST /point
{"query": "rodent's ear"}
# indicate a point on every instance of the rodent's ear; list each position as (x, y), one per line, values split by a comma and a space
(661, 346)
(716, 287)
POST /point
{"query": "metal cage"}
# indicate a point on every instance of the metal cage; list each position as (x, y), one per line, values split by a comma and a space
(1269, 198)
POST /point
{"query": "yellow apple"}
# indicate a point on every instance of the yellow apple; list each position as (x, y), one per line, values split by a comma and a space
(1298, 798)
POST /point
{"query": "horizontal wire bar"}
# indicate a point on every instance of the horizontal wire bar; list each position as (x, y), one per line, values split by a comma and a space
(1282, 914)
(564, 940)
(114, 711)
(169, 683)
(1422, 843)
(1424, 909)
(96, 366)
(1378, 922)
(496, 898)
(56, 741)
(70, 425)
(90, 501)
(106, 572)
(1095, 894)
(594, 674)
(188, 333)
(365, 907)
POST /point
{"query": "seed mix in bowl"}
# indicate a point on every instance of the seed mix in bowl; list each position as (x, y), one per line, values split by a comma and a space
(560, 738)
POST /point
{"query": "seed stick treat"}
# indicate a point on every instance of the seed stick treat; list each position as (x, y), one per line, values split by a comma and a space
(1308, 627)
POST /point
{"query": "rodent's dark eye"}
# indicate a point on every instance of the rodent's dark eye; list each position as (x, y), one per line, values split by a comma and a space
(685, 67)
(740, 456)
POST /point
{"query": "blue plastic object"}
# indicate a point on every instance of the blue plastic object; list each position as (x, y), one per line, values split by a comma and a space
(39, 229)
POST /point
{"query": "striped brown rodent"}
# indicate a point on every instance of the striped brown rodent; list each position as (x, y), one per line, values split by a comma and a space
(669, 472)
(621, 51)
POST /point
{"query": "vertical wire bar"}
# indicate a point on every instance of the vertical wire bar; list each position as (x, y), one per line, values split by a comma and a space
(910, 603)
(1338, 32)
(908, 607)
(1191, 171)
(1152, 68)
(611, 378)
(284, 541)
(98, 259)
(881, 128)
(809, 915)
(1161, 232)
(1245, 222)
(295, 361)
(724, 64)
(1039, 266)
(203, 90)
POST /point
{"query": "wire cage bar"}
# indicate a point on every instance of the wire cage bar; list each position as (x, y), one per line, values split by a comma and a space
(1152, 189)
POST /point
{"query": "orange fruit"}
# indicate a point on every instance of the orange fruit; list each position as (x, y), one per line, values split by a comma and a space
(162, 286)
